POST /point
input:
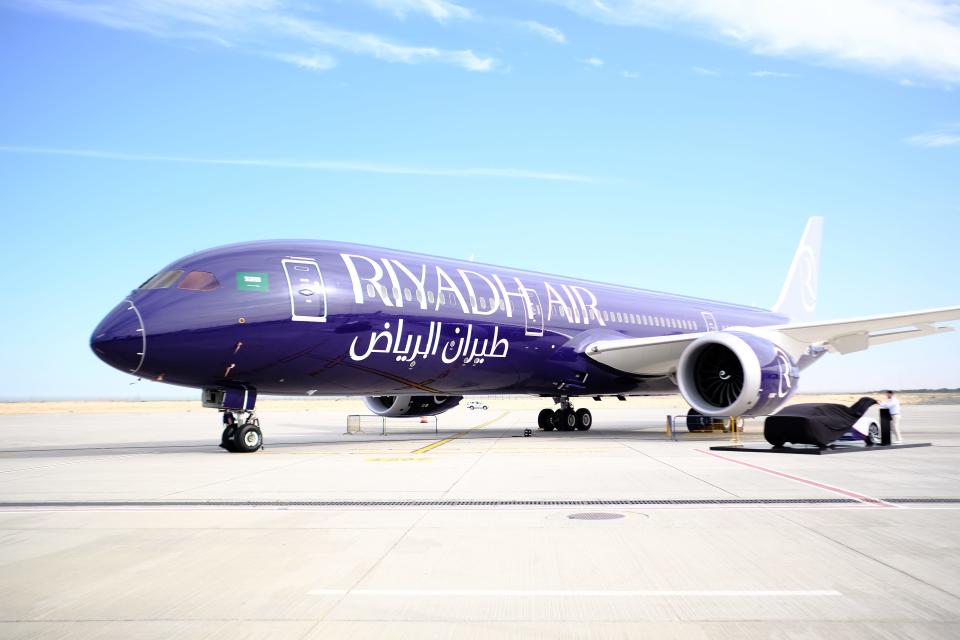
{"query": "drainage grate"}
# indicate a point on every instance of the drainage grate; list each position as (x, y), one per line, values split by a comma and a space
(441, 503)
(595, 515)
(923, 500)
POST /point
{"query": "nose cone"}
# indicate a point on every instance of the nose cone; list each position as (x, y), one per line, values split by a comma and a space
(120, 339)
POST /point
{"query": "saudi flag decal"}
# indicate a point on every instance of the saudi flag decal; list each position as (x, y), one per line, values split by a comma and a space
(252, 281)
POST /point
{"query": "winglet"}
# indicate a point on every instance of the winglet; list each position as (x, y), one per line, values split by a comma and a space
(798, 298)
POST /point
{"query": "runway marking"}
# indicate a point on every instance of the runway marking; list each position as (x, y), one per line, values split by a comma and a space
(811, 483)
(439, 443)
(583, 593)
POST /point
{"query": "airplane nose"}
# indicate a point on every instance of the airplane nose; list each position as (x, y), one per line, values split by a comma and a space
(120, 339)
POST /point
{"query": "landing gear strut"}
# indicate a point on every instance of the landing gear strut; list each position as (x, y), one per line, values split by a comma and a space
(565, 418)
(241, 432)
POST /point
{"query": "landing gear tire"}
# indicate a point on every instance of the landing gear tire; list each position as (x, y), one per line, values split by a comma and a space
(584, 419)
(248, 439)
(566, 420)
(228, 438)
(546, 419)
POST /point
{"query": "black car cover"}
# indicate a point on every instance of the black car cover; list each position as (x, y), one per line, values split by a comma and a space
(813, 423)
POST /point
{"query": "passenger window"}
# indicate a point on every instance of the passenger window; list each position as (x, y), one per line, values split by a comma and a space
(200, 281)
(483, 303)
(163, 280)
(407, 295)
(606, 316)
(430, 297)
(371, 292)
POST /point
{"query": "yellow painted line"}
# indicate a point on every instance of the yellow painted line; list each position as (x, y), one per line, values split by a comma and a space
(438, 443)
(399, 459)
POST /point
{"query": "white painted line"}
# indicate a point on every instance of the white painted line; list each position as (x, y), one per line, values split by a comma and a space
(580, 593)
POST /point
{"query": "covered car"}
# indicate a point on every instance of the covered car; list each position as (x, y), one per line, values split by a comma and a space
(819, 423)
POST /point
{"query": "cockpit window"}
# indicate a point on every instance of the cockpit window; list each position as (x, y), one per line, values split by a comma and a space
(163, 280)
(200, 281)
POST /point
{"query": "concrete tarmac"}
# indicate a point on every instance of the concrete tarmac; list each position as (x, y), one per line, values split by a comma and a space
(136, 525)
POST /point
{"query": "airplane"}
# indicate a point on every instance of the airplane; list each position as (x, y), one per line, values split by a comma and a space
(413, 334)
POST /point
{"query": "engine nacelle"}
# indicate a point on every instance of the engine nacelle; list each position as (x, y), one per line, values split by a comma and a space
(410, 406)
(732, 373)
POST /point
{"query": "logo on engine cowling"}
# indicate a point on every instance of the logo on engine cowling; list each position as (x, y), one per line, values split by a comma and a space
(784, 374)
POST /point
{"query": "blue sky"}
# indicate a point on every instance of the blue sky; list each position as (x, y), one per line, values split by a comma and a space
(676, 146)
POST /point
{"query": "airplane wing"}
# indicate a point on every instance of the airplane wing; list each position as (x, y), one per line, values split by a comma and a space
(656, 356)
(659, 355)
(856, 334)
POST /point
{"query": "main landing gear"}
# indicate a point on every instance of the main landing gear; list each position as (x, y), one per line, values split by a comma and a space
(241, 432)
(565, 418)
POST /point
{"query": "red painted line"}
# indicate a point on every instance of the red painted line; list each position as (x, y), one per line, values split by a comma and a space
(812, 483)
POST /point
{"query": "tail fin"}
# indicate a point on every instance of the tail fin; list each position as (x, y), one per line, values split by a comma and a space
(798, 298)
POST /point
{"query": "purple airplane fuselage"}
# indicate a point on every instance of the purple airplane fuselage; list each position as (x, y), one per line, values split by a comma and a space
(325, 318)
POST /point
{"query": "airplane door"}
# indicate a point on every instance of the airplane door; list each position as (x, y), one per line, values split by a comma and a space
(308, 297)
(534, 316)
(710, 321)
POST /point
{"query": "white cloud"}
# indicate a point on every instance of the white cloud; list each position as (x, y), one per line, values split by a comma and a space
(897, 36)
(945, 137)
(373, 45)
(310, 165)
(439, 10)
(630, 74)
(771, 74)
(554, 35)
(703, 71)
(316, 62)
(260, 24)
(593, 62)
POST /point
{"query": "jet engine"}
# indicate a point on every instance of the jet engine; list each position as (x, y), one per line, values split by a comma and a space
(732, 373)
(410, 406)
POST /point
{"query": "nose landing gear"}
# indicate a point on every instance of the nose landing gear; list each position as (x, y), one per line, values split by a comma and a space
(241, 435)
(565, 418)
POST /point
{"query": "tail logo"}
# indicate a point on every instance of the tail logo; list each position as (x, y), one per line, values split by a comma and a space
(808, 287)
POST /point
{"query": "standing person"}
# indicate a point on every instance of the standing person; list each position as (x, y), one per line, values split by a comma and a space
(892, 404)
